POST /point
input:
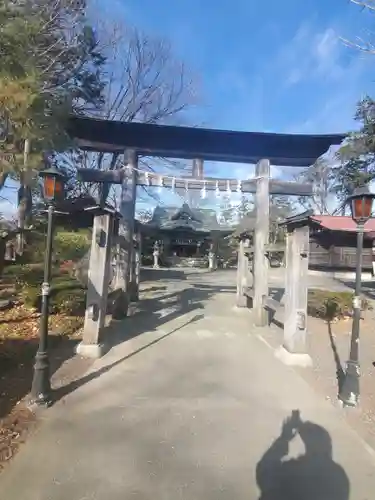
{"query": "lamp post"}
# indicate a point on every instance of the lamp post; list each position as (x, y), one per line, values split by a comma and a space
(361, 207)
(53, 190)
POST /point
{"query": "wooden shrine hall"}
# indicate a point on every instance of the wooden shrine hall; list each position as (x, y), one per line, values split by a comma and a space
(185, 235)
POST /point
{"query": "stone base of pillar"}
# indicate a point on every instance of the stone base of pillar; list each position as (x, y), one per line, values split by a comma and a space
(91, 351)
(293, 359)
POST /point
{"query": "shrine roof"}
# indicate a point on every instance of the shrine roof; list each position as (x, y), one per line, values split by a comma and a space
(334, 223)
(169, 218)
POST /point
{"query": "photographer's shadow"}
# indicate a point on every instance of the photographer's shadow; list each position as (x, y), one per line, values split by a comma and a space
(311, 476)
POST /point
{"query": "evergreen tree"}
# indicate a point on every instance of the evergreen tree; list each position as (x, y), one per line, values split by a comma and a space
(358, 154)
(50, 67)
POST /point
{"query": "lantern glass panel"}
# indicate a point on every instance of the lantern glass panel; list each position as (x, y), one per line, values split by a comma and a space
(59, 189)
(49, 187)
(362, 208)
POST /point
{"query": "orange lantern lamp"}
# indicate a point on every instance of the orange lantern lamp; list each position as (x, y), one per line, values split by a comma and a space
(53, 184)
(361, 202)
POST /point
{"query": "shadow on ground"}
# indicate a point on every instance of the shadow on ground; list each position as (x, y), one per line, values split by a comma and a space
(17, 358)
(150, 314)
(276, 293)
(311, 476)
(166, 274)
(72, 386)
(17, 355)
(340, 373)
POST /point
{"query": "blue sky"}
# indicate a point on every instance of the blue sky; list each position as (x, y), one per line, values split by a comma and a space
(262, 66)
(270, 66)
(266, 66)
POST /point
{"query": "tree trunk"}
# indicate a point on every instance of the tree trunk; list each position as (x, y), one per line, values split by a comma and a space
(25, 203)
(2, 256)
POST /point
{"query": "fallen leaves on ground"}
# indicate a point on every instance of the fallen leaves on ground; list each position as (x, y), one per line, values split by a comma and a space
(19, 334)
(13, 431)
(21, 322)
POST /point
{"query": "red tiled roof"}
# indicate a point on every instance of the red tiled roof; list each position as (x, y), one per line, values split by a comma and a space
(341, 223)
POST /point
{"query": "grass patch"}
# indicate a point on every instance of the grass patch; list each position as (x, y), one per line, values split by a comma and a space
(330, 305)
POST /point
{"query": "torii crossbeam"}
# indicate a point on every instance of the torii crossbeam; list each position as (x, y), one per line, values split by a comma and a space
(293, 150)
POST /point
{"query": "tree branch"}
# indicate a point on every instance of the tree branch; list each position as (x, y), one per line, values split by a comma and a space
(365, 5)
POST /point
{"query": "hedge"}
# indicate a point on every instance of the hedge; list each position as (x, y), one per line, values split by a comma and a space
(67, 296)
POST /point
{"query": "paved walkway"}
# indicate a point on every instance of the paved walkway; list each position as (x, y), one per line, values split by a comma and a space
(192, 408)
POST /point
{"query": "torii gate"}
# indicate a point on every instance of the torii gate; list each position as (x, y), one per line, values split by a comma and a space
(138, 139)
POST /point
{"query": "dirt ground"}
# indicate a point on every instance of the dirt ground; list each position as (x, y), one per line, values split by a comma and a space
(19, 329)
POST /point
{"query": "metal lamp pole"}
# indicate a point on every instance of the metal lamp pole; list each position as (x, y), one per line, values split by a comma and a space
(349, 393)
(41, 384)
(361, 206)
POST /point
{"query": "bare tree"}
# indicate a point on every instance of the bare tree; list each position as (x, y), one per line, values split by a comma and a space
(144, 83)
(320, 176)
(364, 44)
(370, 4)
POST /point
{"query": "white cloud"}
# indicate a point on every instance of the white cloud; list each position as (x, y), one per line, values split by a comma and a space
(336, 113)
(312, 54)
(243, 171)
(313, 62)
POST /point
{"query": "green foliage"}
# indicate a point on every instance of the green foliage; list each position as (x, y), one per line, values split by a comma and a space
(32, 274)
(358, 154)
(70, 245)
(328, 305)
(67, 296)
(50, 66)
(25, 274)
(67, 246)
(356, 172)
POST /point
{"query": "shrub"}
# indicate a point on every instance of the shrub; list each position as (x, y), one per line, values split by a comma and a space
(35, 247)
(70, 245)
(67, 296)
(32, 274)
(69, 301)
(329, 305)
(30, 296)
(25, 274)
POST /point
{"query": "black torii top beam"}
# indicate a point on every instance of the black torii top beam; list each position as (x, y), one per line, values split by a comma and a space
(108, 136)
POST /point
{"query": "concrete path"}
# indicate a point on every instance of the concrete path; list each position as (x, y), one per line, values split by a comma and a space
(193, 408)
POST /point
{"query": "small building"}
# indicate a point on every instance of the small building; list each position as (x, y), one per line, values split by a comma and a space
(333, 242)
